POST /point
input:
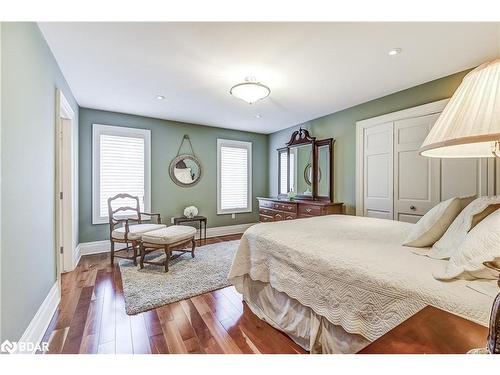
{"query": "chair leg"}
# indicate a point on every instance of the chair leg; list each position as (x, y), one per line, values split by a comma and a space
(143, 254)
(193, 244)
(167, 257)
(112, 252)
(134, 245)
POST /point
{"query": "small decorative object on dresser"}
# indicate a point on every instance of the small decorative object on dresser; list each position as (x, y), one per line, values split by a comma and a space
(190, 212)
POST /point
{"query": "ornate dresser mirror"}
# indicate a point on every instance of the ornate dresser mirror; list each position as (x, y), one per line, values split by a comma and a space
(305, 167)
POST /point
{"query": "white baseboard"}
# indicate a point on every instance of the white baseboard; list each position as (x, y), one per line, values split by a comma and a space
(227, 230)
(97, 247)
(77, 255)
(40, 322)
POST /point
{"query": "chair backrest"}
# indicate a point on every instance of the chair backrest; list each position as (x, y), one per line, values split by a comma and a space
(112, 212)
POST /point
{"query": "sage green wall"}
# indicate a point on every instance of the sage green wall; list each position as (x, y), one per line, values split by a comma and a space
(30, 76)
(166, 197)
(342, 126)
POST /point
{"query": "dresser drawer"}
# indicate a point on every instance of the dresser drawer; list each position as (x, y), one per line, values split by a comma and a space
(265, 219)
(278, 216)
(310, 209)
(290, 216)
(288, 207)
(265, 204)
(266, 211)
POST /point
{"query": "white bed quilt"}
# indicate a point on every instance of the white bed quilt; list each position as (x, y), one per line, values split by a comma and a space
(353, 271)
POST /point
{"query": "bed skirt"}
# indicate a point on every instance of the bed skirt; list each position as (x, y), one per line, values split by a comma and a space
(308, 329)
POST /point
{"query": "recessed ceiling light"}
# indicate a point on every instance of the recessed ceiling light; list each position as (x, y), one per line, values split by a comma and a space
(250, 91)
(395, 51)
(160, 97)
(258, 115)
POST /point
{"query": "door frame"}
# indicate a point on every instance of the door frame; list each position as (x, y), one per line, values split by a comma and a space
(422, 110)
(64, 208)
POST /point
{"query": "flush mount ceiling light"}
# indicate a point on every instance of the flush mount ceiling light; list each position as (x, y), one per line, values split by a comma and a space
(258, 115)
(250, 91)
(160, 97)
(395, 51)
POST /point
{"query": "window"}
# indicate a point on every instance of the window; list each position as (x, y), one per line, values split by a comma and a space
(121, 163)
(287, 171)
(234, 176)
(283, 165)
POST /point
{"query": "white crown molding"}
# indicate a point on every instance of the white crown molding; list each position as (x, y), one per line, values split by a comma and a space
(97, 247)
(40, 322)
(421, 110)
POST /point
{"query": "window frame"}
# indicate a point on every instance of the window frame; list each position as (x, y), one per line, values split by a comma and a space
(237, 144)
(97, 131)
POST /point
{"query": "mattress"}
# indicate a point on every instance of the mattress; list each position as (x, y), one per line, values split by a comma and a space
(351, 271)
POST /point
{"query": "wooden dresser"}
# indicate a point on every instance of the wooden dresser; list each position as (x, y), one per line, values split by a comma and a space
(274, 209)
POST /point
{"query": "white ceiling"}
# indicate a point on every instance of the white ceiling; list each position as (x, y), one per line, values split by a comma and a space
(313, 69)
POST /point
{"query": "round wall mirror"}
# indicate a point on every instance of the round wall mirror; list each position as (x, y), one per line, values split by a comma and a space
(308, 174)
(185, 170)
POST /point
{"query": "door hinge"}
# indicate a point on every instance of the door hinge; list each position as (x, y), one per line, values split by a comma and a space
(61, 250)
(61, 195)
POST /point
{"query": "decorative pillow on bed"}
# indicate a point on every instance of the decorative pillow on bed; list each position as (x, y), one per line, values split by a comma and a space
(480, 245)
(455, 235)
(434, 223)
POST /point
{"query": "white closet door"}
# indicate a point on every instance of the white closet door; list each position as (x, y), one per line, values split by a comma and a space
(416, 178)
(463, 178)
(377, 171)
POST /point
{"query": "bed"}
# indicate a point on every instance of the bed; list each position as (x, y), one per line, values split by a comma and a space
(336, 283)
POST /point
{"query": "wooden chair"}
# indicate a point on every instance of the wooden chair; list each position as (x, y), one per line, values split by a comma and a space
(127, 233)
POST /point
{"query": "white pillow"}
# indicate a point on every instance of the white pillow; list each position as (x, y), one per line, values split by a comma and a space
(481, 244)
(434, 223)
(455, 235)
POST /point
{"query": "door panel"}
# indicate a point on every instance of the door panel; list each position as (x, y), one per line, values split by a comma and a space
(463, 178)
(416, 178)
(378, 171)
(409, 218)
(379, 214)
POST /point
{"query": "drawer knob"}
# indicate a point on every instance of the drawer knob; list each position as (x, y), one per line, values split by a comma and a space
(413, 208)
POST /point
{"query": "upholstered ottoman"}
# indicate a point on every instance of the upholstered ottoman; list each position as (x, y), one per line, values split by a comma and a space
(167, 239)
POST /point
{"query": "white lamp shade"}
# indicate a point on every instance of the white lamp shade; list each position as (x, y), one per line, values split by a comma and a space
(250, 92)
(469, 126)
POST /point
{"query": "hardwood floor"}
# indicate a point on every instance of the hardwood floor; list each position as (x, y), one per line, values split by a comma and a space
(91, 318)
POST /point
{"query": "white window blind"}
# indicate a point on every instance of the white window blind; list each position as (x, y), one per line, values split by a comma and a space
(121, 165)
(234, 176)
(283, 172)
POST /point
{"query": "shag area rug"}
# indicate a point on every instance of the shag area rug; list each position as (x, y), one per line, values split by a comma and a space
(187, 277)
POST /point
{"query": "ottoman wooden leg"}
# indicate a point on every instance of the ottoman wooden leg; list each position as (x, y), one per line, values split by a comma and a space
(167, 257)
(112, 253)
(134, 245)
(143, 254)
(193, 244)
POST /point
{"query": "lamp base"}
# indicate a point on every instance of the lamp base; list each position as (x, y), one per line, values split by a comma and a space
(496, 149)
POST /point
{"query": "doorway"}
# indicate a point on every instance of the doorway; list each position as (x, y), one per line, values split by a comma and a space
(65, 186)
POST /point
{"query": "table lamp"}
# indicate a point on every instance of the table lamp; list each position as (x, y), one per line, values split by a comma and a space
(469, 127)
